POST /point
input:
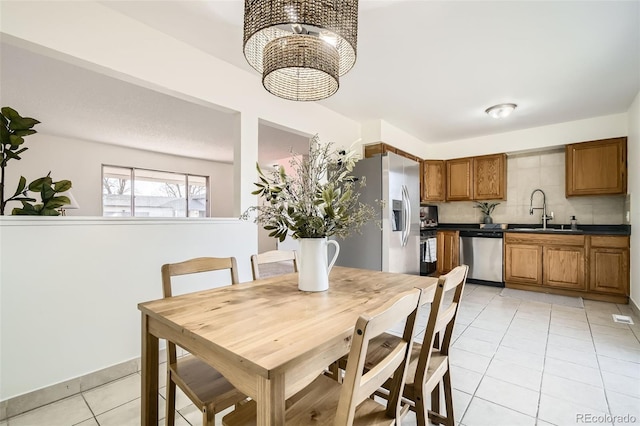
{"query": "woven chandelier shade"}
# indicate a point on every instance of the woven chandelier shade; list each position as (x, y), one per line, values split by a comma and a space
(301, 47)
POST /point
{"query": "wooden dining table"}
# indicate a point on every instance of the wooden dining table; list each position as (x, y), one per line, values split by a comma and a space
(268, 338)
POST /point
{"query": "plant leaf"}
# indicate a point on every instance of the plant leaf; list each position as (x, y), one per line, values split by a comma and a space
(62, 186)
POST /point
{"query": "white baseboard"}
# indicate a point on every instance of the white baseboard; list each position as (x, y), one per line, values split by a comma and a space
(38, 398)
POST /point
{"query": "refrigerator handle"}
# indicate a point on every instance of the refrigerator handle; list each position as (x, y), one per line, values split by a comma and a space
(406, 207)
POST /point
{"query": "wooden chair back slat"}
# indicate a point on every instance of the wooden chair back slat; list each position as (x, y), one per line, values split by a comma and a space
(272, 256)
(441, 319)
(357, 386)
(193, 266)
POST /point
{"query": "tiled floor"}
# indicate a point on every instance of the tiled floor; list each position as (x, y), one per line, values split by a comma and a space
(513, 363)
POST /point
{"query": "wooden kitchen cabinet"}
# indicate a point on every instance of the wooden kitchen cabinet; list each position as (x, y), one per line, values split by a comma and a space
(590, 266)
(459, 179)
(564, 266)
(609, 264)
(433, 180)
(448, 254)
(523, 263)
(545, 260)
(596, 168)
(490, 177)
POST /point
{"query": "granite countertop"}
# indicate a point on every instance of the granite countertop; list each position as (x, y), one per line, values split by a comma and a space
(537, 229)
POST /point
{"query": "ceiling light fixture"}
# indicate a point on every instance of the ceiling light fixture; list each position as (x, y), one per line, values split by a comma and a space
(301, 47)
(501, 110)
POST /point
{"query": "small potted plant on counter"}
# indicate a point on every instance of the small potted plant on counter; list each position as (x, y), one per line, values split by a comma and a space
(486, 208)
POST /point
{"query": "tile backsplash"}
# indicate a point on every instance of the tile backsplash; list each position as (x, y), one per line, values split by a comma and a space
(544, 170)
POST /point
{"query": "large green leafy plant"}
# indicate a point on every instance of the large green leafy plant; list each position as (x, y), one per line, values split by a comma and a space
(317, 199)
(13, 130)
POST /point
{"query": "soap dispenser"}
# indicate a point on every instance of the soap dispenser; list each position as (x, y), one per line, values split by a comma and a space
(574, 223)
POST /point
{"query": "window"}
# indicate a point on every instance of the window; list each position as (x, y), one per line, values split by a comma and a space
(129, 192)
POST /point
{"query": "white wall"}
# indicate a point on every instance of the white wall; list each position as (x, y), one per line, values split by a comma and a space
(633, 165)
(70, 288)
(554, 135)
(381, 131)
(80, 161)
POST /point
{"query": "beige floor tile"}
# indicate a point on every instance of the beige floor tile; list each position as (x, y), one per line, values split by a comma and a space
(624, 406)
(524, 359)
(572, 371)
(127, 414)
(621, 384)
(490, 325)
(570, 332)
(461, 402)
(620, 352)
(580, 325)
(68, 411)
(625, 368)
(484, 335)
(582, 345)
(524, 344)
(578, 393)
(533, 326)
(464, 380)
(114, 394)
(91, 422)
(572, 355)
(515, 374)
(625, 342)
(469, 360)
(564, 413)
(509, 395)
(604, 331)
(476, 346)
(485, 413)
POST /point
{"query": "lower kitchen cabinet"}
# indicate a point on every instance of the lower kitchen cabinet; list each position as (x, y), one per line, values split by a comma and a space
(448, 254)
(564, 267)
(593, 267)
(609, 264)
(523, 263)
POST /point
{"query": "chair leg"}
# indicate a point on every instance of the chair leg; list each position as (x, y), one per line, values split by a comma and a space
(448, 398)
(435, 399)
(420, 408)
(208, 415)
(170, 415)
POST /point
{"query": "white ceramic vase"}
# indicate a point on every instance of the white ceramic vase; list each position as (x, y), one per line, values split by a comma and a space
(313, 267)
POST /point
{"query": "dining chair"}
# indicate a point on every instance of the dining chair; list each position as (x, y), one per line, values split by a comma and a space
(327, 402)
(429, 361)
(272, 257)
(204, 385)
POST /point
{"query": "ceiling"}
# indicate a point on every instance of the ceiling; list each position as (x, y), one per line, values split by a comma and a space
(430, 68)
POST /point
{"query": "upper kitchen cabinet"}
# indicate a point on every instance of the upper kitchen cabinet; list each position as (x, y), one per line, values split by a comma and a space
(596, 168)
(433, 180)
(490, 177)
(459, 179)
(477, 178)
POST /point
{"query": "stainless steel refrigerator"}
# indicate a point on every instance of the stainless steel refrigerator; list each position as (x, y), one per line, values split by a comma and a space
(396, 247)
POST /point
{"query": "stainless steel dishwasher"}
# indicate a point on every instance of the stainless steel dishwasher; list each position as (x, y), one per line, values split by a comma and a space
(482, 251)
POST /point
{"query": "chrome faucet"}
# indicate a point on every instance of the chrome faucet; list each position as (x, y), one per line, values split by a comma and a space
(545, 217)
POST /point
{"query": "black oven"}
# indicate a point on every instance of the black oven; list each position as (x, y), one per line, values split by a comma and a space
(428, 250)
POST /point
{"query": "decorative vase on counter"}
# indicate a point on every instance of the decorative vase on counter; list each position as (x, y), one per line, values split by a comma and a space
(487, 219)
(313, 268)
